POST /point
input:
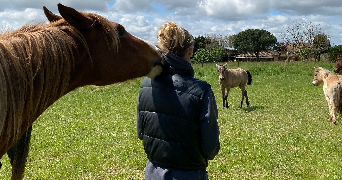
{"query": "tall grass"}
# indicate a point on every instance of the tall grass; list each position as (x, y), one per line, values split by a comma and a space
(284, 134)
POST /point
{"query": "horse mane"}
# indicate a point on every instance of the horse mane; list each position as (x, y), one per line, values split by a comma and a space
(325, 71)
(36, 63)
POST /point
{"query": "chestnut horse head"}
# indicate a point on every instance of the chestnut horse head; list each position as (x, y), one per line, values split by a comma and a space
(111, 53)
(338, 64)
(40, 63)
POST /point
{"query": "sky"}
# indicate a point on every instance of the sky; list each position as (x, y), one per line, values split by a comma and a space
(143, 18)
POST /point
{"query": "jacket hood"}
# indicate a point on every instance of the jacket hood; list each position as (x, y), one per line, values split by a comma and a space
(176, 65)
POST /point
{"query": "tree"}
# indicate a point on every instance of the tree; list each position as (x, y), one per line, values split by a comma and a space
(254, 41)
(200, 42)
(216, 40)
(301, 35)
(321, 44)
(231, 40)
(332, 52)
(202, 55)
(209, 48)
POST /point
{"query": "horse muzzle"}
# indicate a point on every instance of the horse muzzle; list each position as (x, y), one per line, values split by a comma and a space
(337, 70)
(157, 68)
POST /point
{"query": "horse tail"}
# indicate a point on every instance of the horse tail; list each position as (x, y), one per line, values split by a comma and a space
(249, 78)
(340, 98)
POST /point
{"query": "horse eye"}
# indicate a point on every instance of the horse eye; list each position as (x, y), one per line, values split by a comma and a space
(121, 31)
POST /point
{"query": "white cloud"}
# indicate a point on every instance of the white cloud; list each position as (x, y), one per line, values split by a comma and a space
(226, 17)
(129, 6)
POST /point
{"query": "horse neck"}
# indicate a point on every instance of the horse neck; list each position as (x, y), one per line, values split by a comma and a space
(35, 71)
(227, 71)
(325, 75)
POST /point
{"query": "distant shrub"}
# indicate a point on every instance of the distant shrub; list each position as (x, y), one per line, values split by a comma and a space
(204, 56)
(332, 52)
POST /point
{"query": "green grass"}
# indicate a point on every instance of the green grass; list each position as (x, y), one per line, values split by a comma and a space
(284, 134)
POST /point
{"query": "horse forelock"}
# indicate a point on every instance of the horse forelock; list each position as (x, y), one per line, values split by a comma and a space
(323, 70)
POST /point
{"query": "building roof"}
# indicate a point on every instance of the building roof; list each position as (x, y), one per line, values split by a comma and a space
(252, 55)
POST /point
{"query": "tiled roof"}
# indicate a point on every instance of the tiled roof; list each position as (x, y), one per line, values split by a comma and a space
(261, 55)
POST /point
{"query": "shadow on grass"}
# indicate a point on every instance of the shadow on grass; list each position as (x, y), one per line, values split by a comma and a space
(253, 108)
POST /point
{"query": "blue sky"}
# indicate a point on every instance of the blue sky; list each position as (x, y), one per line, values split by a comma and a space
(160, 8)
(142, 18)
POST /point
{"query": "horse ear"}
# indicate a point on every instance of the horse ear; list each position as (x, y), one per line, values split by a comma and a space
(50, 16)
(217, 65)
(74, 18)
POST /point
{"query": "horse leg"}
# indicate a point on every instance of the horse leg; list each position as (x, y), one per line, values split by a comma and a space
(18, 155)
(247, 102)
(333, 115)
(228, 89)
(330, 107)
(243, 95)
(334, 107)
(223, 96)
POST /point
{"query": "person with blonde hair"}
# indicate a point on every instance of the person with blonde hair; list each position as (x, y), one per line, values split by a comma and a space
(177, 113)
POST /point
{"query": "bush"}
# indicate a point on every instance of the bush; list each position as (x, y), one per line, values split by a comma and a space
(204, 56)
(332, 52)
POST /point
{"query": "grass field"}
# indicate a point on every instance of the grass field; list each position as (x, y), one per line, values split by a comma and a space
(284, 134)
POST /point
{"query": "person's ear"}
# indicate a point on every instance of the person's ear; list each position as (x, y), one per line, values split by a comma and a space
(191, 50)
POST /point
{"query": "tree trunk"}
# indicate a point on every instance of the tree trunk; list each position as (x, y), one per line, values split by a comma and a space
(257, 56)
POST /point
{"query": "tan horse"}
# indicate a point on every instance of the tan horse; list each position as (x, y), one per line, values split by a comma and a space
(332, 89)
(40, 63)
(230, 78)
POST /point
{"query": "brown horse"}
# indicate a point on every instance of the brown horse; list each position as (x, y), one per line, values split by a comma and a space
(40, 63)
(332, 89)
(338, 64)
(230, 78)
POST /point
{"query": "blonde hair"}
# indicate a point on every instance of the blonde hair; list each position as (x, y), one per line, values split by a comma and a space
(174, 38)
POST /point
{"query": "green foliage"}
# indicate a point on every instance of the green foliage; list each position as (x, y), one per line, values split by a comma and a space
(284, 134)
(303, 51)
(320, 45)
(231, 39)
(201, 56)
(217, 54)
(200, 43)
(254, 41)
(204, 56)
(332, 52)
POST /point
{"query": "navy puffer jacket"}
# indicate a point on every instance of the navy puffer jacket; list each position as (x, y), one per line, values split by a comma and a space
(177, 118)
